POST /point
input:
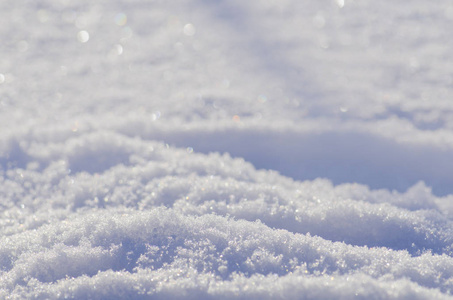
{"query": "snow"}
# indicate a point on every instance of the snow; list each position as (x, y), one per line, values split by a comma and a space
(226, 150)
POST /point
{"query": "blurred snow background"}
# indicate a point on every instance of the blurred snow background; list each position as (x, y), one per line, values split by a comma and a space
(225, 149)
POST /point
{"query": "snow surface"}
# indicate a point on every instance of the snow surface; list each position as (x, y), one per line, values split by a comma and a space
(226, 149)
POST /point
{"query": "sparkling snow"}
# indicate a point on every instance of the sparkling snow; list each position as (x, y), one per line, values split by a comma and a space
(226, 149)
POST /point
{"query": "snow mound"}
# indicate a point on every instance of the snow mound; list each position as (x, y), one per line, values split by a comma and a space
(156, 221)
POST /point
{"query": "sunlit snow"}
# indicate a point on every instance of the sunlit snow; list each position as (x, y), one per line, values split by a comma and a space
(226, 149)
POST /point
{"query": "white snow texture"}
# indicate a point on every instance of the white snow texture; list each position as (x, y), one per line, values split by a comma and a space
(274, 149)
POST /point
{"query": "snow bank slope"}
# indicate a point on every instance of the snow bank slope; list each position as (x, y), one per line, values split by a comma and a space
(165, 222)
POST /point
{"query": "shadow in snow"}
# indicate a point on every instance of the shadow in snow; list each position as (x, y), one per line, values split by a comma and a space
(340, 157)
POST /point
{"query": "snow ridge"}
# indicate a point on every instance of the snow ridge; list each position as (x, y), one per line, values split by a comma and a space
(210, 225)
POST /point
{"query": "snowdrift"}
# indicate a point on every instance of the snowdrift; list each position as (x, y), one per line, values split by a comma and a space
(226, 150)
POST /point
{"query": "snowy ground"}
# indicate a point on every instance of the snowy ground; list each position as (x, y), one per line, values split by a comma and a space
(226, 149)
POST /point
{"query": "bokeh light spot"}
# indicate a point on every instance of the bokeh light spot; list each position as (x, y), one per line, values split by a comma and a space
(189, 29)
(119, 49)
(262, 98)
(340, 3)
(43, 16)
(83, 36)
(121, 19)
